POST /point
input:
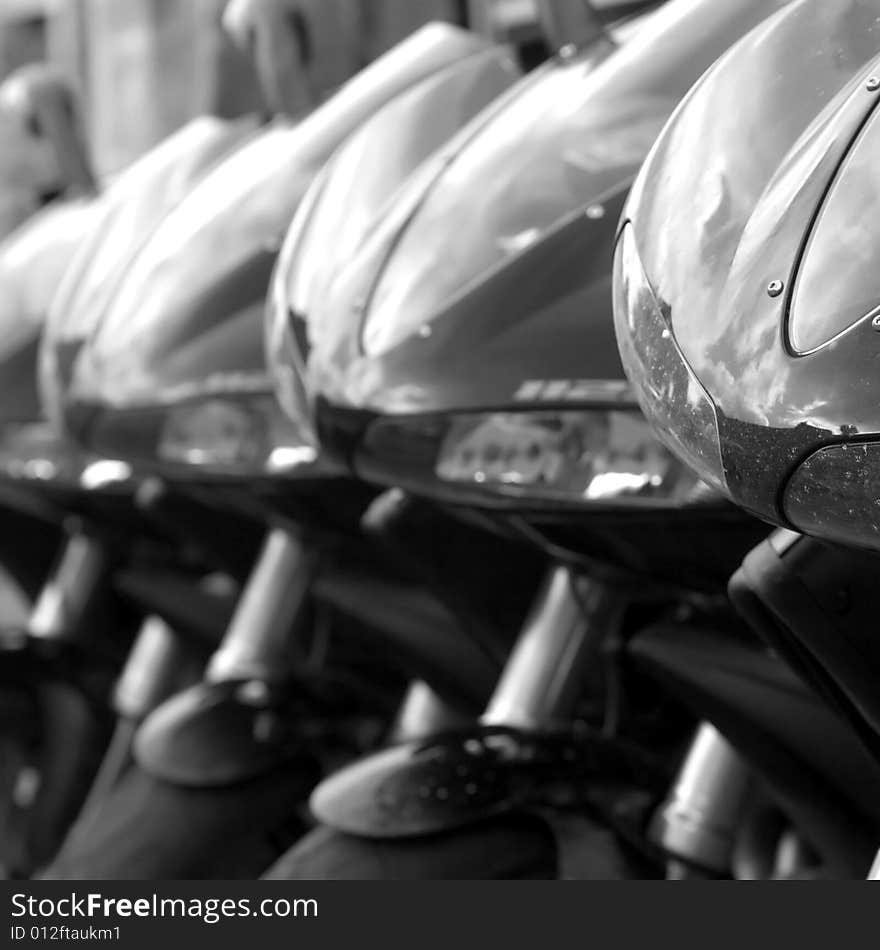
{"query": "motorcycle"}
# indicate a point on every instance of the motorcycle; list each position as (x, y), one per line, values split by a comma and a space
(748, 341)
(44, 721)
(174, 382)
(76, 511)
(476, 366)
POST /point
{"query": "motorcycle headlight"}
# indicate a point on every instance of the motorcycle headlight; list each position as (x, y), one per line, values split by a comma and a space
(589, 456)
(669, 393)
(35, 452)
(232, 434)
(601, 457)
(230, 428)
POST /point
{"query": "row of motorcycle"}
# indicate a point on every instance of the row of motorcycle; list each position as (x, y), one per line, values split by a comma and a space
(388, 491)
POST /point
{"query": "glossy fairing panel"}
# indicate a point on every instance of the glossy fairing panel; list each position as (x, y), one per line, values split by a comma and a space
(366, 172)
(186, 320)
(732, 255)
(492, 268)
(33, 260)
(353, 190)
(134, 202)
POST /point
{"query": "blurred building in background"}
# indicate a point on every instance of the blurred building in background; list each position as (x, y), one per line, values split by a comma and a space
(144, 67)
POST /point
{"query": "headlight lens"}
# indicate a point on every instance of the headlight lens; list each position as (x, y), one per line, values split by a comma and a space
(231, 435)
(36, 452)
(588, 456)
(669, 393)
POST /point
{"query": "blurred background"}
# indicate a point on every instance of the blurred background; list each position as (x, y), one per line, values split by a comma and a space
(145, 67)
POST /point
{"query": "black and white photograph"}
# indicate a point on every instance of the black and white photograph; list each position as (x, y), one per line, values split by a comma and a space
(431, 450)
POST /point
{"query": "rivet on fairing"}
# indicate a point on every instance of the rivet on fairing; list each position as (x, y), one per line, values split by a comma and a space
(875, 323)
(596, 212)
(775, 288)
(873, 83)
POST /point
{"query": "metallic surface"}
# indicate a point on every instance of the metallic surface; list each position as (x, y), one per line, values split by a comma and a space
(151, 670)
(700, 820)
(710, 245)
(523, 292)
(33, 260)
(258, 643)
(187, 319)
(423, 713)
(67, 593)
(132, 205)
(542, 676)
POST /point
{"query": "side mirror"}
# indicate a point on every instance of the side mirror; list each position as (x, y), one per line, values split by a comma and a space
(277, 36)
(45, 107)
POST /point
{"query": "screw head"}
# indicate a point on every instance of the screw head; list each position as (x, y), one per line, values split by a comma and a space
(775, 288)
(873, 83)
(875, 322)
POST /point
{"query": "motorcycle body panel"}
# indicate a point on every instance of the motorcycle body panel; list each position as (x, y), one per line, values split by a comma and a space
(761, 274)
(133, 203)
(33, 260)
(187, 320)
(486, 284)
(431, 316)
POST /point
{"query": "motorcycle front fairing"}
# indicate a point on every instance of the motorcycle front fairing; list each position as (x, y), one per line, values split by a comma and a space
(553, 164)
(486, 289)
(350, 195)
(482, 299)
(752, 281)
(133, 203)
(175, 374)
(33, 260)
(184, 332)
